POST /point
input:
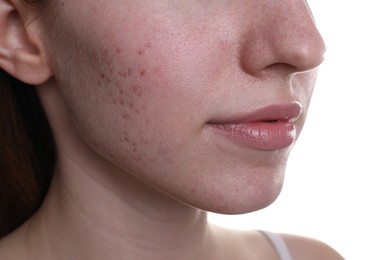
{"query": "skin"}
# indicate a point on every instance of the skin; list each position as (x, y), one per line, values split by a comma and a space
(130, 89)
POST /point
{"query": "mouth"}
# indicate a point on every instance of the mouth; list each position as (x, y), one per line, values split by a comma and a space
(266, 129)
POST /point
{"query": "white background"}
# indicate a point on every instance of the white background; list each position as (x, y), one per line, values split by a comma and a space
(337, 186)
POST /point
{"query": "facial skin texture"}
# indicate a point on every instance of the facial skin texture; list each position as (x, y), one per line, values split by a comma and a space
(141, 80)
(135, 86)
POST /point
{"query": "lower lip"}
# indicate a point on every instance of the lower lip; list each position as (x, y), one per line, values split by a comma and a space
(265, 136)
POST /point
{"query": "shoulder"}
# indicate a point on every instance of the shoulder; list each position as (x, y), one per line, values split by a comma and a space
(304, 248)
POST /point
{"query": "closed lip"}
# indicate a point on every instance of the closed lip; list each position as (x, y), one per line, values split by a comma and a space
(267, 129)
(271, 113)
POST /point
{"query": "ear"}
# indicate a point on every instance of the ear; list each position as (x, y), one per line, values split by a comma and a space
(21, 54)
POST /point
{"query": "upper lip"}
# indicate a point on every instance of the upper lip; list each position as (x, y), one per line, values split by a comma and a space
(272, 113)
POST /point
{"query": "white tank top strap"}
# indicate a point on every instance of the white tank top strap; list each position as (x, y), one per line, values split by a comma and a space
(280, 246)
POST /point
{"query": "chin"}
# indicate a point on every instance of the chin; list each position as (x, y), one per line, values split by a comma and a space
(247, 193)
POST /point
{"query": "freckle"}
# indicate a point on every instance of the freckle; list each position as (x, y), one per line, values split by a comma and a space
(118, 50)
(137, 112)
(127, 139)
(126, 116)
(141, 52)
(99, 82)
(121, 102)
(112, 156)
(102, 76)
(131, 105)
(148, 45)
(128, 72)
(121, 91)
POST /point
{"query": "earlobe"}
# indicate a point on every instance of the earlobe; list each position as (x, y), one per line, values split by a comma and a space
(20, 53)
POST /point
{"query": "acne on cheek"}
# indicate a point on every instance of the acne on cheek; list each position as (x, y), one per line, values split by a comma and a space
(124, 83)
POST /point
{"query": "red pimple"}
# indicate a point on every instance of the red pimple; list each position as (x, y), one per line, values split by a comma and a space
(126, 116)
(142, 72)
(138, 159)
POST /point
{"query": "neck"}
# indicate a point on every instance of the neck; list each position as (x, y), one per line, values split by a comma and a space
(103, 213)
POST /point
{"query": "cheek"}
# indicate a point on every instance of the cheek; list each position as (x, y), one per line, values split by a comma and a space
(131, 103)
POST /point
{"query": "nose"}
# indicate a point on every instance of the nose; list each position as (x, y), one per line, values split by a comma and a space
(280, 32)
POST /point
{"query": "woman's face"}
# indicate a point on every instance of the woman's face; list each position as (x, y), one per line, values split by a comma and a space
(201, 99)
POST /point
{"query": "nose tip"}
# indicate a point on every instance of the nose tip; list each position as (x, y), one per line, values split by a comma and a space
(304, 52)
(285, 35)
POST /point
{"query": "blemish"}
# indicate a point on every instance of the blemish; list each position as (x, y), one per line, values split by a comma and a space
(121, 102)
(157, 70)
(127, 139)
(142, 72)
(138, 159)
(136, 90)
(141, 52)
(143, 141)
(118, 50)
(126, 116)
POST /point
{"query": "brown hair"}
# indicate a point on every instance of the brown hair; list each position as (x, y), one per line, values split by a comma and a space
(27, 153)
